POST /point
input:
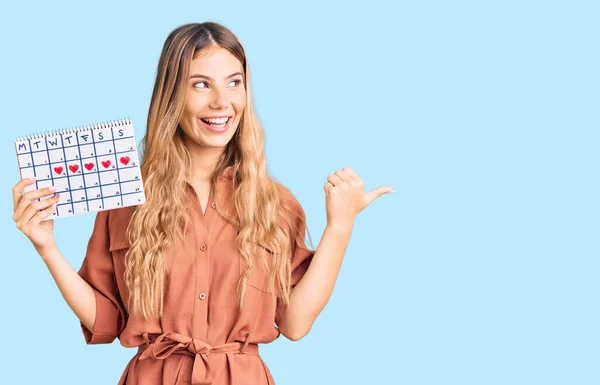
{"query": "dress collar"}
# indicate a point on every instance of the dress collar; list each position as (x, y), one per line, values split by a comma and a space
(225, 176)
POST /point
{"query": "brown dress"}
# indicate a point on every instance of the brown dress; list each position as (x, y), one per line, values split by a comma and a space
(202, 338)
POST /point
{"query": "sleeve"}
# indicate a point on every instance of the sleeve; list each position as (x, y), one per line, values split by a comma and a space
(98, 270)
(301, 255)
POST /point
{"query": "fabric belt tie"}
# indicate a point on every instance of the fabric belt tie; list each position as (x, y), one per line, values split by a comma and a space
(173, 343)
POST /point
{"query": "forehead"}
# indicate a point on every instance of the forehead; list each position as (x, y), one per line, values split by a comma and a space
(214, 62)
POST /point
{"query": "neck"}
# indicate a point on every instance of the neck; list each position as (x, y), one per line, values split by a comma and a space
(204, 160)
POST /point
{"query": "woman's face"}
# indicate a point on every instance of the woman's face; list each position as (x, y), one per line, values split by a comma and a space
(215, 99)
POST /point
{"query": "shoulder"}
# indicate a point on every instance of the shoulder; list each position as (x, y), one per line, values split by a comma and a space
(292, 208)
(287, 198)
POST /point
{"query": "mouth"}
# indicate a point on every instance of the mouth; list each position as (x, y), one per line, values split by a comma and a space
(217, 125)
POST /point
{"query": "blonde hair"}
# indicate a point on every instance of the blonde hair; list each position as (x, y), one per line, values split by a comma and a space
(261, 215)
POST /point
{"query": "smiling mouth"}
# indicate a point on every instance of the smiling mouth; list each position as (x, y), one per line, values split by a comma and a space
(216, 122)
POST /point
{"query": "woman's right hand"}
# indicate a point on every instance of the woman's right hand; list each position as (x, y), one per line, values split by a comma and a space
(28, 216)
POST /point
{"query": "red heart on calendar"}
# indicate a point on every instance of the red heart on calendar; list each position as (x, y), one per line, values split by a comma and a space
(73, 167)
(89, 166)
(58, 170)
(125, 160)
(106, 163)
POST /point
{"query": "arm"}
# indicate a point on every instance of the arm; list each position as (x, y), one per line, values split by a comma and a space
(311, 294)
(92, 292)
(78, 294)
(345, 199)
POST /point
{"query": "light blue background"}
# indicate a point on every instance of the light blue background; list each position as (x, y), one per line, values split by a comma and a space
(481, 269)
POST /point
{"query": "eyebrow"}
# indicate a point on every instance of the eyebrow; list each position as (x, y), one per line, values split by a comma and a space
(207, 77)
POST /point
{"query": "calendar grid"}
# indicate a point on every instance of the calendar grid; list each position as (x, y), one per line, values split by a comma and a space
(62, 139)
(87, 203)
(47, 153)
(109, 178)
(31, 153)
(112, 133)
(97, 167)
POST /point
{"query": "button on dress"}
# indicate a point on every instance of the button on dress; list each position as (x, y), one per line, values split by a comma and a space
(202, 338)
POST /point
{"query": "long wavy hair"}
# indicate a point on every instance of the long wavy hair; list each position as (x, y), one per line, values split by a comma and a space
(260, 215)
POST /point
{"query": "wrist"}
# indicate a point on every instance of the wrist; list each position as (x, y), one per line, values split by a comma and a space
(46, 252)
(341, 226)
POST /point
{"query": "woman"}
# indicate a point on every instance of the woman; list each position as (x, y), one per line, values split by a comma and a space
(214, 262)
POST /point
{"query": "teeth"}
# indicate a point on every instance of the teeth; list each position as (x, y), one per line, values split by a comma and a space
(215, 120)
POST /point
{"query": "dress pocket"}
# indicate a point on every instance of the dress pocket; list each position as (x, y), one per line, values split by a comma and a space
(259, 278)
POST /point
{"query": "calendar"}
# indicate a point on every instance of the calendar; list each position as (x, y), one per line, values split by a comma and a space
(94, 167)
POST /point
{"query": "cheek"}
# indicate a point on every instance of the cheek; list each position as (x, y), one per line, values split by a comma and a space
(188, 112)
(194, 102)
(240, 103)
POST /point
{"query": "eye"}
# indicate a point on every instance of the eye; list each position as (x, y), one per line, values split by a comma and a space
(200, 83)
(237, 82)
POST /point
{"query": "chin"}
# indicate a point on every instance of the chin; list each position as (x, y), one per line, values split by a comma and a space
(217, 143)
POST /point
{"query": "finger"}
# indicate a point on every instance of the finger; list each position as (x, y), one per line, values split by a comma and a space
(327, 187)
(343, 175)
(38, 193)
(42, 214)
(33, 208)
(351, 172)
(334, 179)
(18, 190)
(379, 191)
(29, 197)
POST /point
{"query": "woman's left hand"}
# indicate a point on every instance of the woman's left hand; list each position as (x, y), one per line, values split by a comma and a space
(345, 196)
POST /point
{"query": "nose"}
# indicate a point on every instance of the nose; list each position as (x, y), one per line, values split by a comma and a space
(219, 99)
